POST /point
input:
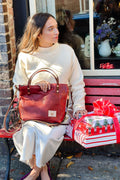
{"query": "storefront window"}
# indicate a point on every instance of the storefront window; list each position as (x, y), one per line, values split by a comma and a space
(107, 34)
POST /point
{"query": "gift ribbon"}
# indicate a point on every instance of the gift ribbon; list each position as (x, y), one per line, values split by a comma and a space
(115, 120)
(117, 128)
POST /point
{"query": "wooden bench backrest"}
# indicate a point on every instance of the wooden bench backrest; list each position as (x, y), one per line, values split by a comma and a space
(108, 89)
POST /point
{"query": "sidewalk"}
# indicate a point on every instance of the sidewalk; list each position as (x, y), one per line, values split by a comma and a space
(97, 167)
(101, 163)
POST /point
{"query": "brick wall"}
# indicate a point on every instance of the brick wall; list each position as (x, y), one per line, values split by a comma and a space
(7, 55)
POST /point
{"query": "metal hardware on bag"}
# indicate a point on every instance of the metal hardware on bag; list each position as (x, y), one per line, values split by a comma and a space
(57, 90)
(17, 87)
(28, 88)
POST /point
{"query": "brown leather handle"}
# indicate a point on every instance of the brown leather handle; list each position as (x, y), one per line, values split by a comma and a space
(45, 70)
(4, 121)
(5, 118)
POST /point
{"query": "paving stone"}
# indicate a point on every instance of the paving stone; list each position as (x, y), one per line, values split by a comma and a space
(54, 167)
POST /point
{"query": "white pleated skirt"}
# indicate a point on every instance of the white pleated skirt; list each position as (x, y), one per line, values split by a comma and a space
(40, 140)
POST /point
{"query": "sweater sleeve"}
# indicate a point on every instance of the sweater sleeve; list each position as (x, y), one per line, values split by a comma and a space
(77, 85)
(20, 77)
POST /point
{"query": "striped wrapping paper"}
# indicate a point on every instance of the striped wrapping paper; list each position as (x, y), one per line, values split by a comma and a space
(95, 140)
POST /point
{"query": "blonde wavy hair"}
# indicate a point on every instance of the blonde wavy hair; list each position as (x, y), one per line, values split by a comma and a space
(30, 41)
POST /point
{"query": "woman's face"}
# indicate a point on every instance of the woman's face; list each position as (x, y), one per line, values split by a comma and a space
(49, 34)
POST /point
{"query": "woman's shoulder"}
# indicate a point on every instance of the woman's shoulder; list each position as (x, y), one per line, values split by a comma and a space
(23, 56)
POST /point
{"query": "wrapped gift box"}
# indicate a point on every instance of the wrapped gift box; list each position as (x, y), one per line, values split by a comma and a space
(93, 130)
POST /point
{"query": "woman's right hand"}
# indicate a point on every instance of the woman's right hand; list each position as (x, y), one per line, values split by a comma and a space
(44, 85)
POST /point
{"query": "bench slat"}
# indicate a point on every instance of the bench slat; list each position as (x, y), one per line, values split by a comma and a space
(4, 134)
(102, 82)
(102, 91)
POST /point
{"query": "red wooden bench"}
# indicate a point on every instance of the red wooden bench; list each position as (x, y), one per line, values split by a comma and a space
(108, 89)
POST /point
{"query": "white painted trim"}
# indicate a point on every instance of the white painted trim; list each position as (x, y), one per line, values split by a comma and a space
(91, 31)
(80, 2)
(101, 72)
(42, 6)
(51, 7)
(32, 4)
(84, 2)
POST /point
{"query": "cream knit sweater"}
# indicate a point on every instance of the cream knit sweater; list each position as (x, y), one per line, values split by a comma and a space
(62, 59)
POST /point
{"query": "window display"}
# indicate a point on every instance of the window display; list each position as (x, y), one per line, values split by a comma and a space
(107, 34)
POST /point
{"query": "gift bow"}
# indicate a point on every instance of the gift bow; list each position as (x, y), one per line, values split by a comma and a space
(104, 107)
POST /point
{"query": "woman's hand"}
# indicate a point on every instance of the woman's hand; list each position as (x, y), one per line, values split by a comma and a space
(44, 85)
(80, 112)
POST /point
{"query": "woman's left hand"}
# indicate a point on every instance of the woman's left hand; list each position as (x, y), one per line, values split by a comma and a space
(44, 85)
(80, 112)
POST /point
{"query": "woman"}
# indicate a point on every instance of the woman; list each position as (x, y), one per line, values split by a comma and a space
(39, 48)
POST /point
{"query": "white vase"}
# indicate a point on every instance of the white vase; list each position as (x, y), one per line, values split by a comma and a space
(104, 48)
(116, 50)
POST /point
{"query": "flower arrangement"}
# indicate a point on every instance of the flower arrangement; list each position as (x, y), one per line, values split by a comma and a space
(104, 32)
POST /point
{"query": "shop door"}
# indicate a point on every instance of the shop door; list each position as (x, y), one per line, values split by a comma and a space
(21, 12)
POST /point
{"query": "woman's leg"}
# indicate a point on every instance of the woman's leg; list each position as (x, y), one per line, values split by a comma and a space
(36, 171)
(44, 173)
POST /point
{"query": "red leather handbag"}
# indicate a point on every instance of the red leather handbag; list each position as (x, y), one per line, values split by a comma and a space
(36, 105)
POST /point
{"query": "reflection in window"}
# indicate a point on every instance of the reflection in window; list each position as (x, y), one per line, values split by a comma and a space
(84, 6)
(73, 28)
